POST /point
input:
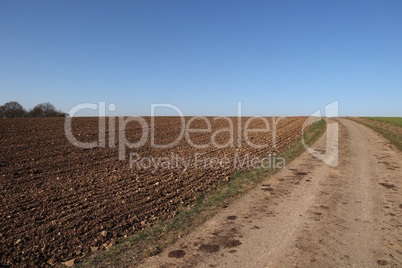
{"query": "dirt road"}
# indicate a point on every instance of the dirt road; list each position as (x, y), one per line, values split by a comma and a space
(309, 214)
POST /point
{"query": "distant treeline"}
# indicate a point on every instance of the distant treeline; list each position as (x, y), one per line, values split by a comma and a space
(13, 109)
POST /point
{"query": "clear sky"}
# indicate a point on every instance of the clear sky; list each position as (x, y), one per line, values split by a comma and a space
(276, 57)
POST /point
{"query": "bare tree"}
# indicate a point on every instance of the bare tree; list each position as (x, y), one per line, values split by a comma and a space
(36, 112)
(46, 109)
(12, 109)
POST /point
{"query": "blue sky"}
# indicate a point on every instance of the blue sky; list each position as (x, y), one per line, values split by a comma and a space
(276, 57)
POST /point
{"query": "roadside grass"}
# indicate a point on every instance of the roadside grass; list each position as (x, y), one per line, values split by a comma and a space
(397, 121)
(393, 137)
(151, 241)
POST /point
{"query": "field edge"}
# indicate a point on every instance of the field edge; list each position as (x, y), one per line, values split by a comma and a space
(151, 241)
(393, 137)
(396, 121)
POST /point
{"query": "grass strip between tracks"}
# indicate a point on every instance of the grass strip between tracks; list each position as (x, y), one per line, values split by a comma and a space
(393, 137)
(132, 250)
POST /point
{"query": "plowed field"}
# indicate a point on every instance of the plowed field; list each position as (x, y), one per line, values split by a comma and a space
(60, 202)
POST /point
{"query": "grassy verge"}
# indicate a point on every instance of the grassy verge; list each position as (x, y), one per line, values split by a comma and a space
(393, 137)
(397, 121)
(132, 250)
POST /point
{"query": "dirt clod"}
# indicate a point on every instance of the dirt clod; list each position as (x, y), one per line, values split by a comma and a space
(177, 253)
(69, 263)
(382, 262)
(209, 248)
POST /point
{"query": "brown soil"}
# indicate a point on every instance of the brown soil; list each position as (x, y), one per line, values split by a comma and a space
(314, 215)
(59, 202)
